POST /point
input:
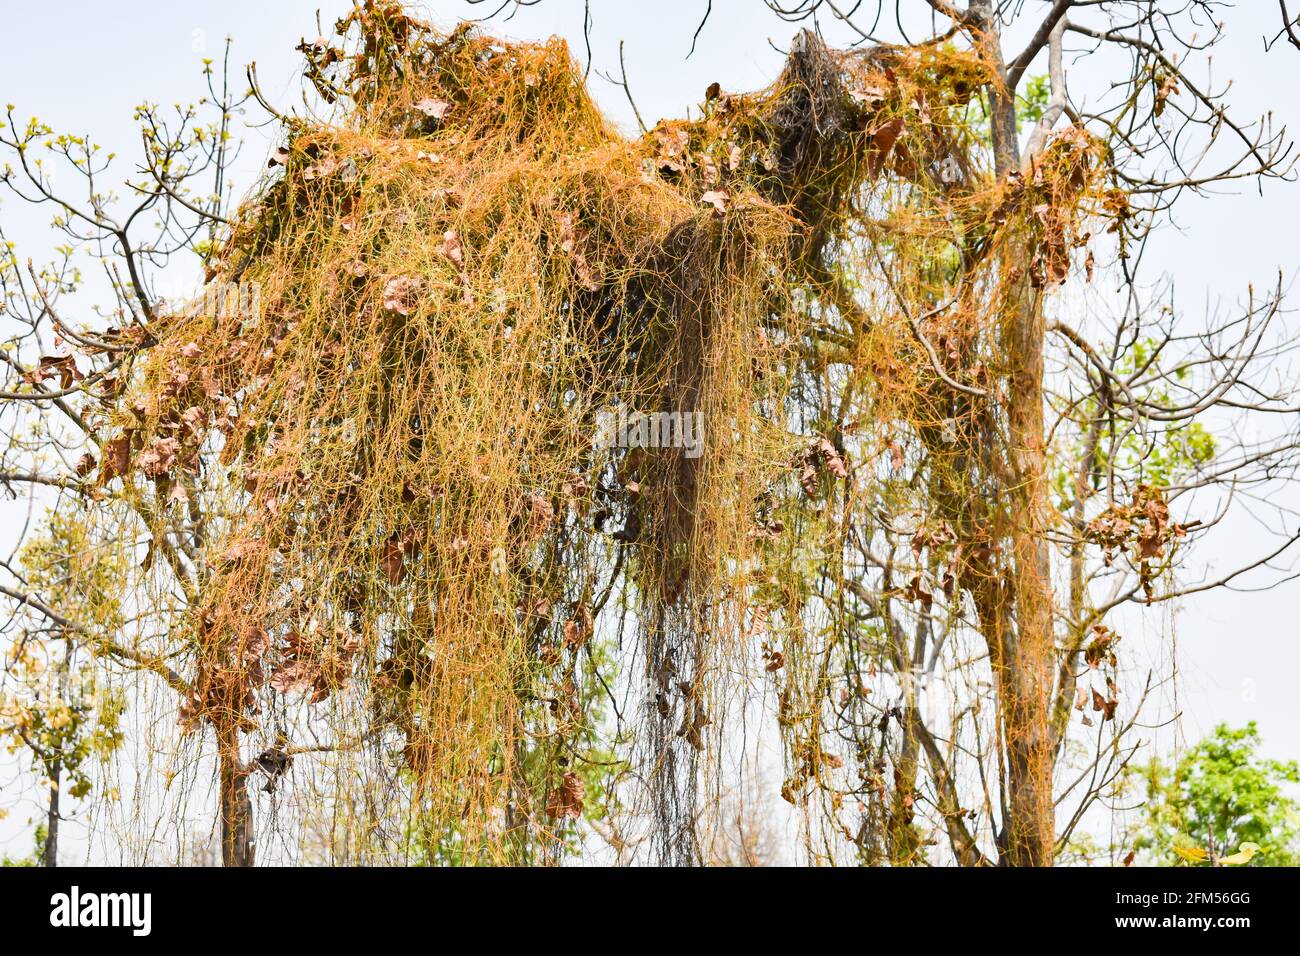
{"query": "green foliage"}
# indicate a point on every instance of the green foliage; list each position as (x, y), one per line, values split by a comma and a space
(34, 858)
(1219, 795)
(55, 708)
(1032, 103)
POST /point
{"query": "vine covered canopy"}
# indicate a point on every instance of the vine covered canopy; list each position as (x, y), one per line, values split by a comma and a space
(395, 563)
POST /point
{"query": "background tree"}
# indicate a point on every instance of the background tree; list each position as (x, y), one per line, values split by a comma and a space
(53, 703)
(1216, 797)
(63, 372)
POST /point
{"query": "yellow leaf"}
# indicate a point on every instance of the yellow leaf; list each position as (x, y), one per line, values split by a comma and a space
(1248, 850)
(1193, 854)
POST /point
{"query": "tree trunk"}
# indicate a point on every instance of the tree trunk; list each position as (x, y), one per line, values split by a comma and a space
(236, 808)
(1022, 653)
(903, 841)
(1028, 656)
(50, 856)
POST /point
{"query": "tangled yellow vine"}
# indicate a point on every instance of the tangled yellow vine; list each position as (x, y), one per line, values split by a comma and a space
(388, 460)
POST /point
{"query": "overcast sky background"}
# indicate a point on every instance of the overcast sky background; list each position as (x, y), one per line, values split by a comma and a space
(81, 66)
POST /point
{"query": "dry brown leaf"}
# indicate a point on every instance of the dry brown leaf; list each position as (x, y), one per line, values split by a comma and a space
(401, 294)
(718, 198)
(566, 799)
(433, 107)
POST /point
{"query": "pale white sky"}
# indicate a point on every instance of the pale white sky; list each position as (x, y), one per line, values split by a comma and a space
(82, 65)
